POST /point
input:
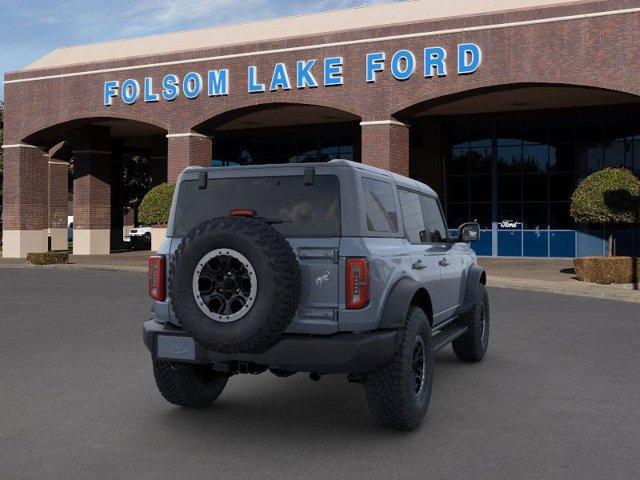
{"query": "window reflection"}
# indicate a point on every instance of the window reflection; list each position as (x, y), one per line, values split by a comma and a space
(251, 147)
(538, 163)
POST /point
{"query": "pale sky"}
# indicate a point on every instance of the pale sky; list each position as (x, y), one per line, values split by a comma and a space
(30, 29)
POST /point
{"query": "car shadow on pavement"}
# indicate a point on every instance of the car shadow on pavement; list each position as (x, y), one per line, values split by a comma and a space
(272, 405)
(295, 405)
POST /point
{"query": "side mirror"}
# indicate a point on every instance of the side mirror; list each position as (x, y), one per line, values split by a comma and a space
(469, 232)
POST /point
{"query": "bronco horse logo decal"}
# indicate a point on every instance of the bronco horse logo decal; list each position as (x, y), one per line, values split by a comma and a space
(322, 279)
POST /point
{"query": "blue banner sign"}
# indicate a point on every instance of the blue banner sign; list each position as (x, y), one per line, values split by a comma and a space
(310, 73)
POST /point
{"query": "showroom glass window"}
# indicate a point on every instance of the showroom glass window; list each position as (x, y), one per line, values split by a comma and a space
(285, 145)
(538, 159)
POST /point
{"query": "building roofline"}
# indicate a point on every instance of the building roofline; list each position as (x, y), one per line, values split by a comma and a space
(310, 24)
(225, 25)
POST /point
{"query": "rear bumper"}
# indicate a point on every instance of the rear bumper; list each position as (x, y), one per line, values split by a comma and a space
(340, 353)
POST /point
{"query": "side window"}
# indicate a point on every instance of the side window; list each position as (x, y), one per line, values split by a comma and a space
(435, 226)
(380, 206)
(412, 216)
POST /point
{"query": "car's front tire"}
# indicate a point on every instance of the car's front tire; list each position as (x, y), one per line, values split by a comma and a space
(398, 392)
(188, 385)
(472, 346)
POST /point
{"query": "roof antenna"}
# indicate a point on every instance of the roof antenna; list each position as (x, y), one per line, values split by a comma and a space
(309, 176)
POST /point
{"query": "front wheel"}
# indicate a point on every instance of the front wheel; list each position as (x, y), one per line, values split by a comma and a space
(187, 385)
(398, 392)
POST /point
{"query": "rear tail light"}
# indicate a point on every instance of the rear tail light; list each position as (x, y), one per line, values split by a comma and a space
(357, 283)
(157, 284)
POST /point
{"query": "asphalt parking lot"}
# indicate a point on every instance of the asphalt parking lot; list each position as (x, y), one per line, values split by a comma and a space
(556, 397)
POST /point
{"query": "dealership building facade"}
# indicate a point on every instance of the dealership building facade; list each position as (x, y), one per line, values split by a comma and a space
(501, 106)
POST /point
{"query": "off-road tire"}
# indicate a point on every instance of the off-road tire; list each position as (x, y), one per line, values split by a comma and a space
(278, 282)
(391, 397)
(188, 385)
(472, 346)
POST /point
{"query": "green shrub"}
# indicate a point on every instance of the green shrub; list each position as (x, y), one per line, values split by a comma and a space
(607, 270)
(48, 258)
(610, 195)
(156, 204)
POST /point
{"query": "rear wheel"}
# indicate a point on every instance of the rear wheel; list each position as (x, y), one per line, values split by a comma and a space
(188, 385)
(398, 392)
(472, 346)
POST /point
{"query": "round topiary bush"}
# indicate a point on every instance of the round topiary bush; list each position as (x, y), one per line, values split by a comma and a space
(610, 195)
(156, 204)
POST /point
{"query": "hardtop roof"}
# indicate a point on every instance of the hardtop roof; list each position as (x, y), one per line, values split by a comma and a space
(399, 180)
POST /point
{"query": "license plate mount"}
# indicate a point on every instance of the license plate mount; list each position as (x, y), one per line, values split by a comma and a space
(175, 347)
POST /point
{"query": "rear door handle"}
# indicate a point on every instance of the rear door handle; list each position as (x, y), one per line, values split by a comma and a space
(418, 265)
(444, 262)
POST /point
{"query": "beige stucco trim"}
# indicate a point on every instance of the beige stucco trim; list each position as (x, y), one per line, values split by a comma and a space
(189, 134)
(91, 242)
(382, 122)
(58, 238)
(20, 145)
(17, 243)
(316, 46)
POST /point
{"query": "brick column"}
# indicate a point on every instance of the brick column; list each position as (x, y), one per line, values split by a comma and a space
(91, 191)
(58, 190)
(25, 201)
(385, 144)
(158, 160)
(187, 149)
(91, 202)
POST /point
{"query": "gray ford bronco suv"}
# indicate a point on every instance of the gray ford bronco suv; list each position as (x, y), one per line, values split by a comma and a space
(322, 268)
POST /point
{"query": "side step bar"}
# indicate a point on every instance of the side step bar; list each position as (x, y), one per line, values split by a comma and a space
(447, 335)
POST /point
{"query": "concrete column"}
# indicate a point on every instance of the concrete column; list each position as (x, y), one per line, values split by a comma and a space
(385, 144)
(185, 150)
(25, 200)
(58, 190)
(158, 160)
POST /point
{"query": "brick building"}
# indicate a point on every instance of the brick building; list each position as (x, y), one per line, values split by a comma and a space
(501, 105)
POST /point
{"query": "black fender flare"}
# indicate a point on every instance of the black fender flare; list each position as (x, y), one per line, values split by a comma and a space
(475, 276)
(398, 303)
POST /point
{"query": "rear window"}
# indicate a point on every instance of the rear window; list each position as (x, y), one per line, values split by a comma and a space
(305, 210)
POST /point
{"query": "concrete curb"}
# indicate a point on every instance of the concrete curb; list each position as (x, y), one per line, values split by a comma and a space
(603, 292)
(74, 266)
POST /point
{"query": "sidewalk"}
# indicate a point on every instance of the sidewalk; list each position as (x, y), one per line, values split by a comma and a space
(551, 276)
(126, 261)
(543, 275)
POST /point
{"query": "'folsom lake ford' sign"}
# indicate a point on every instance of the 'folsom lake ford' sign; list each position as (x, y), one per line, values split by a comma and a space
(307, 74)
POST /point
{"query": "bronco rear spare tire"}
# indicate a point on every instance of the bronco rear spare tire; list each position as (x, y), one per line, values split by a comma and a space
(235, 284)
